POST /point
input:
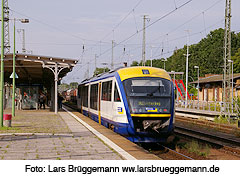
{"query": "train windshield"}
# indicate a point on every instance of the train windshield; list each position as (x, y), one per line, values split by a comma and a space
(148, 95)
(147, 87)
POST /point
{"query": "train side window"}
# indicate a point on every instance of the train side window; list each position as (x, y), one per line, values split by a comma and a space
(94, 96)
(85, 96)
(106, 91)
(79, 91)
(116, 94)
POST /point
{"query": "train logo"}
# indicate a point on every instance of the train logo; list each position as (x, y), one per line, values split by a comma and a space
(120, 110)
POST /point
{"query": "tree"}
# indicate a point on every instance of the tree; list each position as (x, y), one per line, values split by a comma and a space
(134, 63)
(73, 85)
(100, 71)
(63, 87)
(236, 62)
(207, 54)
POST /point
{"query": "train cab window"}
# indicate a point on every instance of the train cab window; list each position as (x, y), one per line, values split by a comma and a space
(94, 96)
(116, 94)
(107, 91)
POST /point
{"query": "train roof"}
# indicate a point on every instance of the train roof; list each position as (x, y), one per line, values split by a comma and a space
(130, 72)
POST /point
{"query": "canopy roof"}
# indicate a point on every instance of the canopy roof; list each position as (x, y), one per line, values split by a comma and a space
(214, 78)
(29, 68)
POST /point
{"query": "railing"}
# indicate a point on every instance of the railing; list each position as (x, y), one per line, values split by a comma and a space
(215, 106)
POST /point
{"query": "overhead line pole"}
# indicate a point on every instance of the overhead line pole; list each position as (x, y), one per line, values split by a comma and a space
(23, 40)
(227, 55)
(2, 68)
(144, 40)
(6, 27)
(112, 66)
(186, 96)
(13, 81)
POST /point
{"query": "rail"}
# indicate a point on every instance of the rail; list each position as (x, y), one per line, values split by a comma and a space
(217, 140)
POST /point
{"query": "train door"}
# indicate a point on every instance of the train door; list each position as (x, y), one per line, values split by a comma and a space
(119, 112)
(99, 102)
(88, 100)
(106, 100)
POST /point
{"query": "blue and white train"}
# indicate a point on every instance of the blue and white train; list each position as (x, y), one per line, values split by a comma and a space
(136, 102)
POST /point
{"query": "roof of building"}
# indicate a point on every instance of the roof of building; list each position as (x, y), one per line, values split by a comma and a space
(214, 78)
(30, 68)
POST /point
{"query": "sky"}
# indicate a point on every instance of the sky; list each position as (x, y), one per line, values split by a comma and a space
(61, 28)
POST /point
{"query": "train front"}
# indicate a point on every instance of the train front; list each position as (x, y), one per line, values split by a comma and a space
(150, 99)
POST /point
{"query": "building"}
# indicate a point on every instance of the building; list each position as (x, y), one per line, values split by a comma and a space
(35, 74)
(211, 87)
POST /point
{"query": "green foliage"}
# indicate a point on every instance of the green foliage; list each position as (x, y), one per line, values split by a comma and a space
(193, 91)
(236, 62)
(155, 63)
(207, 54)
(73, 85)
(221, 120)
(63, 87)
(194, 147)
(134, 63)
(236, 103)
(100, 71)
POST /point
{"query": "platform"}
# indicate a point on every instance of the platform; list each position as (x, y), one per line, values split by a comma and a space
(43, 135)
(198, 111)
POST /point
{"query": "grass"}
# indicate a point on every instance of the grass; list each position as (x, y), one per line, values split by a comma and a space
(221, 120)
(37, 156)
(32, 121)
(5, 129)
(194, 147)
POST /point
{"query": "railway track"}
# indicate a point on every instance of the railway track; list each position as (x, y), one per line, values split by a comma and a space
(229, 144)
(157, 149)
(208, 137)
(222, 127)
(171, 154)
(183, 131)
(164, 152)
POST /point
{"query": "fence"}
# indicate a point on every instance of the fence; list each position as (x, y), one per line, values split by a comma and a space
(216, 106)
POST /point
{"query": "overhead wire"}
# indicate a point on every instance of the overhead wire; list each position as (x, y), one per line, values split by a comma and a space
(162, 17)
(193, 34)
(175, 39)
(54, 27)
(125, 17)
(116, 26)
(186, 22)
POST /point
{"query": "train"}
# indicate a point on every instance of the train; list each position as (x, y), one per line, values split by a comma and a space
(70, 95)
(135, 102)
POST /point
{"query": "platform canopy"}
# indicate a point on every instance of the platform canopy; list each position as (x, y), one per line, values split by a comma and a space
(30, 68)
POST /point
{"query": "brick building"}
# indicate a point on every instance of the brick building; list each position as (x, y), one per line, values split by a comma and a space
(211, 87)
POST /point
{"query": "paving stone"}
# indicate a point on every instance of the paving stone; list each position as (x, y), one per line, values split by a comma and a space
(80, 144)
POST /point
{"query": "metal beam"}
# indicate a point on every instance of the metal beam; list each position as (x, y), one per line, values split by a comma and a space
(56, 69)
